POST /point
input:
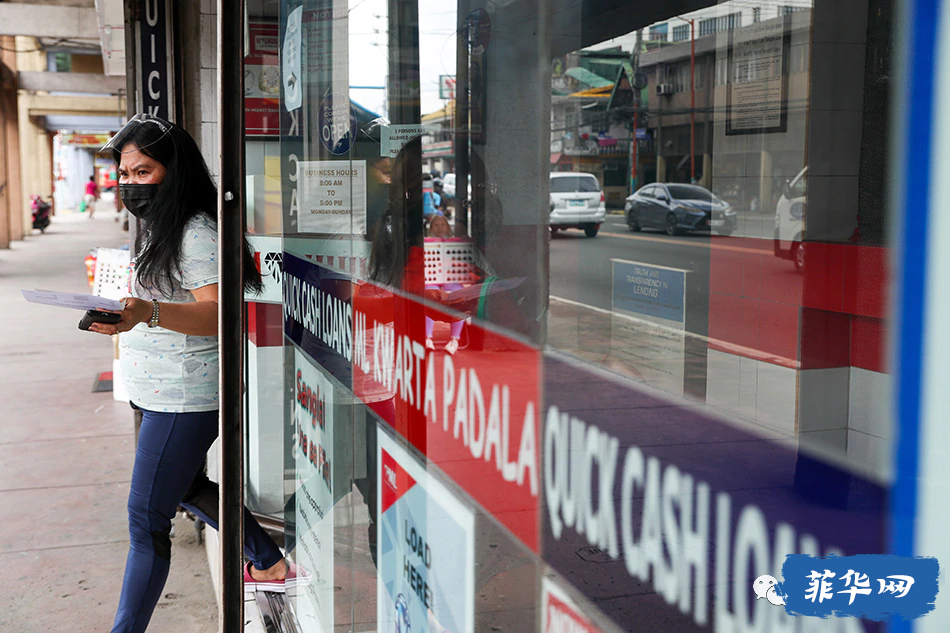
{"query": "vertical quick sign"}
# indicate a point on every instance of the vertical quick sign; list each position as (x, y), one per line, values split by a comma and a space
(668, 502)
(155, 76)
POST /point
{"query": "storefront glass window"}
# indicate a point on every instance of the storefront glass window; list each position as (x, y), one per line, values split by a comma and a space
(629, 367)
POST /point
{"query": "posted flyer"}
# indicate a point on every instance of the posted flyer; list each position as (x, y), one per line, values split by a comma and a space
(757, 92)
(313, 454)
(332, 197)
(426, 574)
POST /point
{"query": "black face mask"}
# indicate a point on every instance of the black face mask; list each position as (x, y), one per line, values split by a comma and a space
(138, 199)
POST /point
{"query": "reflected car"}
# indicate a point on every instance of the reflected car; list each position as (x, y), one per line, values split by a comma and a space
(678, 208)
(790, 221)
(577, 202)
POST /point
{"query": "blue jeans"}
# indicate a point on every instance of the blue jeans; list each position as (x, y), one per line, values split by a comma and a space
(168, 473)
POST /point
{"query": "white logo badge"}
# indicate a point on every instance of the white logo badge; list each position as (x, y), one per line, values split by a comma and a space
(764, 587)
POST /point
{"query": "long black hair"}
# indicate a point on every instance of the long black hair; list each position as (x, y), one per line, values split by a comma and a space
(401, 227)
(186, 192)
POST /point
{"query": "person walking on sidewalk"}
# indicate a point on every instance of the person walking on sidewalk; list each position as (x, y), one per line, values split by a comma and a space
(92, 194)
(169, 354)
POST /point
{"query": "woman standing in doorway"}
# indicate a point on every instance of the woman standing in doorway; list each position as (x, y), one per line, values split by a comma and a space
(169, 354)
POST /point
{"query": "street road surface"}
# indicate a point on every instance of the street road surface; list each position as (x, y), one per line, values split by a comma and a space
(580, 268)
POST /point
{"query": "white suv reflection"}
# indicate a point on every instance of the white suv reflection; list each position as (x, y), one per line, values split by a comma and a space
(577, 202)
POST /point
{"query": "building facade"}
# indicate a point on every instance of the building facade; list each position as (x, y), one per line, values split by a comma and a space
(587, 136)
(63, 70)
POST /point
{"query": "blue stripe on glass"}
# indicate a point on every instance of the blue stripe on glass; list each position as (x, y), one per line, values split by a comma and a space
(921, 46)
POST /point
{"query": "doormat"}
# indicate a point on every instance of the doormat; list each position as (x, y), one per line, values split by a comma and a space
(102, 382)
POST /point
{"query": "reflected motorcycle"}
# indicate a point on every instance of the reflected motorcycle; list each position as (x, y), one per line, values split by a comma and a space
(41, 213)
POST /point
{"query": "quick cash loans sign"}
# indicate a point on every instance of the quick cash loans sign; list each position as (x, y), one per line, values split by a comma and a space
(646, 497)
(474, 415)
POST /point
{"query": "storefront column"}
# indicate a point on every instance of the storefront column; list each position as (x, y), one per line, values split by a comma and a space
(514, 225)
(844, 388)
(37, 164)
(27, 138)
(35, 143)
(836, 119)
(9, 196)
(16, 199)
(6, 207)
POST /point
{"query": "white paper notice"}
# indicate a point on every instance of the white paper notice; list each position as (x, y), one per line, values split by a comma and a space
(394, 137)
(756, 90)
(293, 89)
(326, 48)
(71, 300)
(332, 197)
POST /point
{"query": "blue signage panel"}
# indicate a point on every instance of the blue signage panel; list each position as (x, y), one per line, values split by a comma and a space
(318, 315)
(652, 291)
(876, 587)
(664, 516)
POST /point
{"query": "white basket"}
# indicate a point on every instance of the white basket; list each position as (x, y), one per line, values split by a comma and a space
(450, 261)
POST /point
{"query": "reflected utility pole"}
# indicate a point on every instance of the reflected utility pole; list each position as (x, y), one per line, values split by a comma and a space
(634, 155)
(692, 97)
(461, 121)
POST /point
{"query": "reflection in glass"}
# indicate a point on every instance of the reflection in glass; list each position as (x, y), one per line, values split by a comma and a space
(522, 251)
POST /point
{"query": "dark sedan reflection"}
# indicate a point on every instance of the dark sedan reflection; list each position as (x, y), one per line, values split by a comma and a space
(678, 208)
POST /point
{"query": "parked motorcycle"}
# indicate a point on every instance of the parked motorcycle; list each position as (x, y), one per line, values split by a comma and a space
(41, 213)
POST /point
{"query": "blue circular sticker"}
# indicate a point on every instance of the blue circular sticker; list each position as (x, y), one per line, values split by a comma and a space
(337, 124)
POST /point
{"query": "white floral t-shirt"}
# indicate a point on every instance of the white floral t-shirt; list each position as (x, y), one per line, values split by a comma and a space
(168, 371)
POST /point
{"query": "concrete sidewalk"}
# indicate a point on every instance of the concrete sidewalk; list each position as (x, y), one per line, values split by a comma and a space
(66, 456)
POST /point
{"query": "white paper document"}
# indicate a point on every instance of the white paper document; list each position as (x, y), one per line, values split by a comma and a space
(71, 300)
(332, 196)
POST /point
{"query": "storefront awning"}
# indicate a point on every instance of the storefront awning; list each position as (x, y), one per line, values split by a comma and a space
(594, 93)
(587, 77)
